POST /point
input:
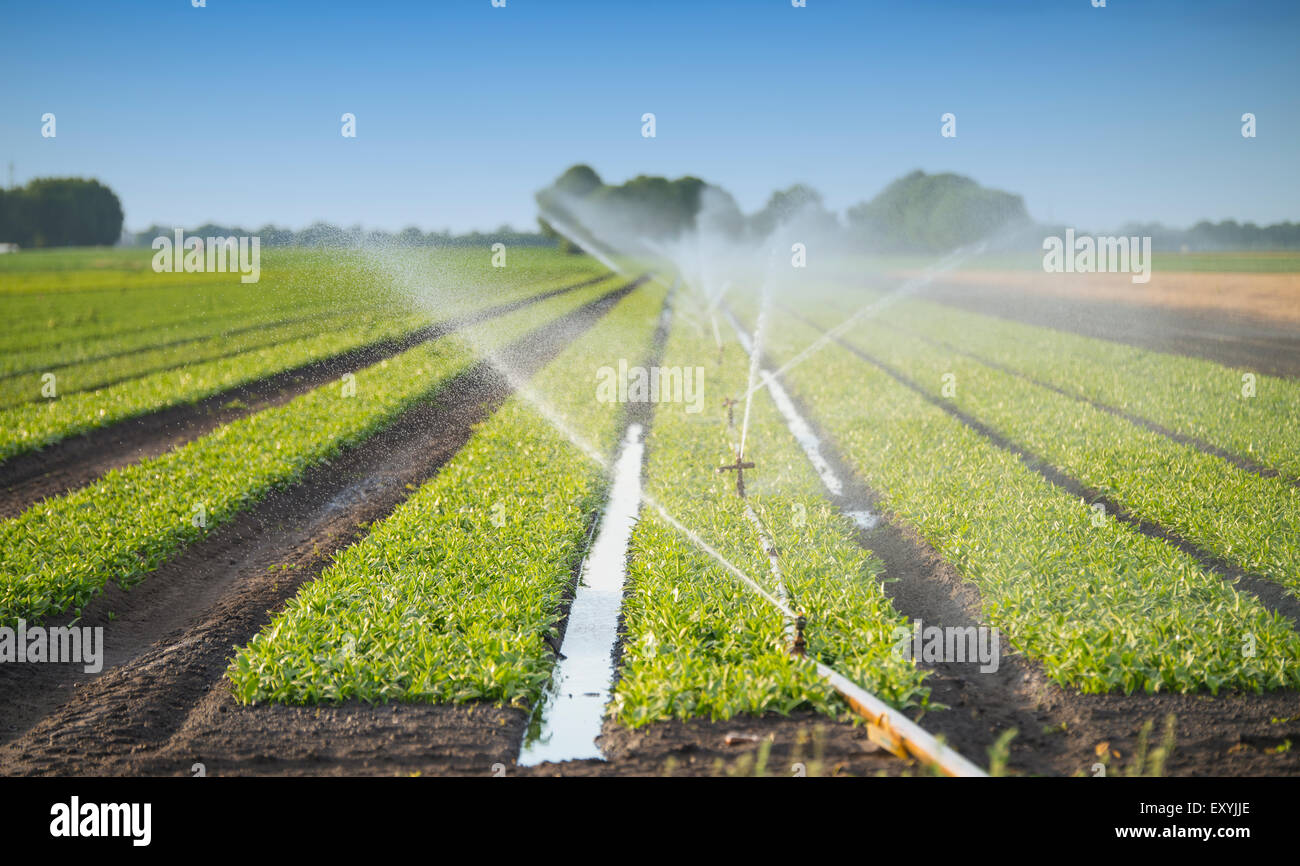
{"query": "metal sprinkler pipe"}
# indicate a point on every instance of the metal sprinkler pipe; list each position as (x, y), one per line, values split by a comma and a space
(739, 468)
(907, 737)
(799, 646)
(731, 403)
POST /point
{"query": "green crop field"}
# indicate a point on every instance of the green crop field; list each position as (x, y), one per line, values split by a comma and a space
(1123, 523)
(728, 389)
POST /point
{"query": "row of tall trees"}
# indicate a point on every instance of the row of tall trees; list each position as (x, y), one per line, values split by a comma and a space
(916, 213)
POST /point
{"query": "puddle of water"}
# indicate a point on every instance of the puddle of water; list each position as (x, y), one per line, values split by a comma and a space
(575, 704)
(864, 519)
(359, 492)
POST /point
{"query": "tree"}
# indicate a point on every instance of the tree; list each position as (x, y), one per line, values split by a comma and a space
(933, 213)
(578, 181)
(646, 206)
(800, 202)
(56, 212)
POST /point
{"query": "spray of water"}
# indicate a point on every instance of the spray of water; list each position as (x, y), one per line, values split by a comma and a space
(903, 290)
(709, 263)
(434, 283)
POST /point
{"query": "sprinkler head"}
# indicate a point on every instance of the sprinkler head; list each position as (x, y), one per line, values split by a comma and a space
(739, 468)
(730, 403)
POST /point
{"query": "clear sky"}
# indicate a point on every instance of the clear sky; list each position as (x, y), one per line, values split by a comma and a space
(231, 113)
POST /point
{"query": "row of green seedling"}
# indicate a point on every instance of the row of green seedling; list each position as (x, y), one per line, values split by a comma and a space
(1235, 515)
(209, 338)
(291, 281)
(698, 642)
(101, 373)
(35, 425)
(1243, 412)
(456, 595)
(1098, 604)
(59, 553)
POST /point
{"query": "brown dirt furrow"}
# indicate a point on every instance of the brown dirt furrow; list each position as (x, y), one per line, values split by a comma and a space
(1241, 339)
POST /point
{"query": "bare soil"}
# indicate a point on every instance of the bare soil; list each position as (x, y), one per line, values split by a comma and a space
(1248, 321)
(1258, 297)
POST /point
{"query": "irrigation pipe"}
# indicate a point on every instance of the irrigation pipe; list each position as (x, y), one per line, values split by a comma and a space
(898, 728)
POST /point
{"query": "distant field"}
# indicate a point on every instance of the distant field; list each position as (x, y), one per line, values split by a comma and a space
(121, 340)
(1281, 261)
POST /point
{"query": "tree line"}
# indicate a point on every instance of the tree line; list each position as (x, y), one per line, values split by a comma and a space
(323, 234)
(917, 213)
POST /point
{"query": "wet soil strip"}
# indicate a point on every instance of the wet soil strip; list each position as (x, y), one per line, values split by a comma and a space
(574, 708)
(567, 723)
(1243, 463)
(80, 460)
(168, 640)
(856, 507)
(1270, 594)
(855, 503)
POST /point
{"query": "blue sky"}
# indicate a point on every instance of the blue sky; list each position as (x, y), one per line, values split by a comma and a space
(232, 112)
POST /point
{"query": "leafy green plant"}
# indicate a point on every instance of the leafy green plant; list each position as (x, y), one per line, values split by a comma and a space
(697, 642)
(1236, 515)
(1190, 396)
(1103, 607)
(439, 602)
(60, 553)
(190, 304)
